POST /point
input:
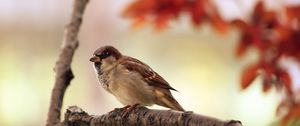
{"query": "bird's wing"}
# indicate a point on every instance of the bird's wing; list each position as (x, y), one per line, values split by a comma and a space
(150, 76)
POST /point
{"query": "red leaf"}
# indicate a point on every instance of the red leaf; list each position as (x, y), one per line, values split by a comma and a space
(270, 19)
(249, 75)
(267, 84)
(286, 81)
(197, 12)
(268, 80)
(258, 12)
(243, 45)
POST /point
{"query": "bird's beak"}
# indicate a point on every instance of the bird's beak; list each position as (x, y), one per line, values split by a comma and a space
(95, 59)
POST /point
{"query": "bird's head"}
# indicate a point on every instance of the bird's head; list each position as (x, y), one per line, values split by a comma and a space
(105, 57)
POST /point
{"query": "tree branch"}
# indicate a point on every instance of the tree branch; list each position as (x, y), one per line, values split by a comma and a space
(141, 116)
(62, 68)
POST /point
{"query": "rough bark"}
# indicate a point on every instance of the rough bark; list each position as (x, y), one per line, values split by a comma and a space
(63, 65)
(141, 116)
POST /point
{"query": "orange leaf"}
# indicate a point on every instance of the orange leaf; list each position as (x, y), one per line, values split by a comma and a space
(239, 24)
(293, 12)
(249, 75)
(219, 23)
(161, 21)
(138, 22)
(139, 7)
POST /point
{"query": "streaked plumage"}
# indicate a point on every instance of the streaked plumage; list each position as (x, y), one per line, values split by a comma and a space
(131, 81)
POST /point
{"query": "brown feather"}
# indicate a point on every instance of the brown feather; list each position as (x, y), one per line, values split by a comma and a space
(150, 76)
(166, 99)
(110, 49)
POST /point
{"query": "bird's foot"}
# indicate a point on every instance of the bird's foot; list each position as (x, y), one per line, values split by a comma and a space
(128, 109)
(115, 109)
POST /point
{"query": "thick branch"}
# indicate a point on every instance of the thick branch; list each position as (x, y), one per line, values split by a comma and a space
(62, 68)
(141, 116)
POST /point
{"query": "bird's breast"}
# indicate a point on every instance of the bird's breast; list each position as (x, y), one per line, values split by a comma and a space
(104, 80)
(128, 87)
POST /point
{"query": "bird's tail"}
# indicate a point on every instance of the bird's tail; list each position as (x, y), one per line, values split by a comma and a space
(167, 100)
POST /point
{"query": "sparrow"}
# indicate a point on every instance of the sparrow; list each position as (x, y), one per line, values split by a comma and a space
(131, 81)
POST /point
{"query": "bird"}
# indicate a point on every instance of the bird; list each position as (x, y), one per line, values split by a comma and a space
(131, 81)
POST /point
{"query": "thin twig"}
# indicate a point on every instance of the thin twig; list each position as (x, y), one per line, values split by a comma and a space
(63, 65)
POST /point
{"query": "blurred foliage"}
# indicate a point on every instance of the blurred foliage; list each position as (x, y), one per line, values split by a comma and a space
(274, 35)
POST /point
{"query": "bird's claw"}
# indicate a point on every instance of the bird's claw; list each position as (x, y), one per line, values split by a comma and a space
(115, 109)
(128, 109)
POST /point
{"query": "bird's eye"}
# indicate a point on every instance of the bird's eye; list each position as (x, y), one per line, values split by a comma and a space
(104, 55)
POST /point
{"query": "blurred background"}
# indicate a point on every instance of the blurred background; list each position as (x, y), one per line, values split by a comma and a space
(198, 62)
